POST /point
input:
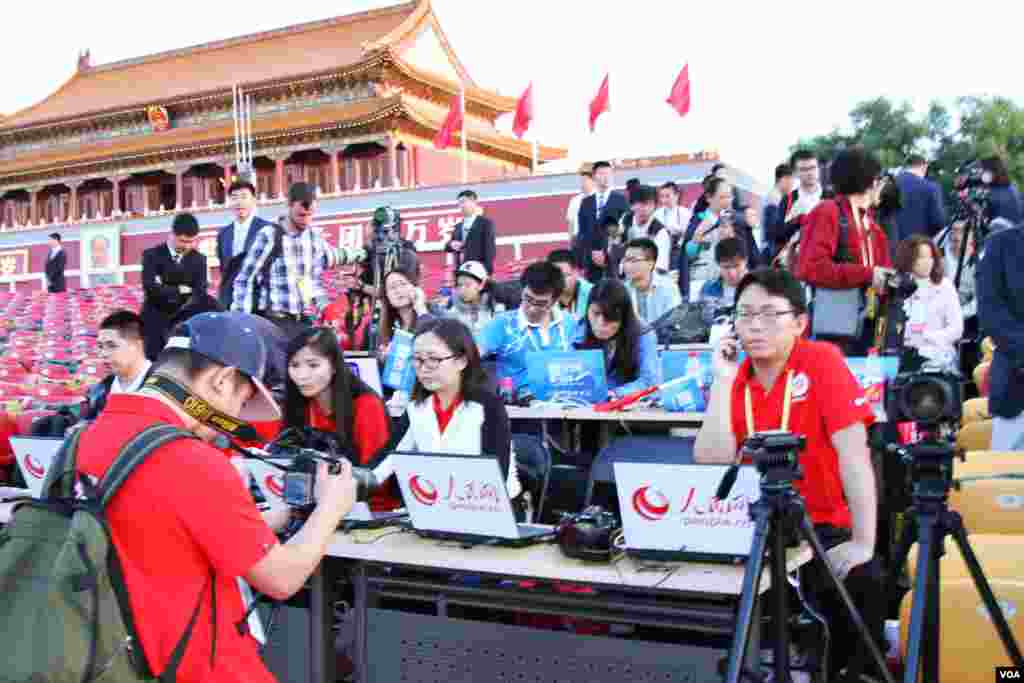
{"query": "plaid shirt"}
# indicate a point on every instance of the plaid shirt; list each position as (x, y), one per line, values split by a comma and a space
(304, 257)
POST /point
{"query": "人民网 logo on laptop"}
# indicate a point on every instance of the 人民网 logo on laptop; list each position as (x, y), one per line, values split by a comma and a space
(715, 512)
(650, 503)
(275, 484)
(423, 489)
(33, 467)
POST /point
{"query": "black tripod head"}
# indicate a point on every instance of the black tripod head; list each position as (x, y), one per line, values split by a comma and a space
(929, 465)
(776, 455)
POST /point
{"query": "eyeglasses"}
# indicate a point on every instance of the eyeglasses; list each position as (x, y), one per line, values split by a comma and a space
(534, 303)
(431, 362)
(769, 317)
(637, 259)
(806, 169)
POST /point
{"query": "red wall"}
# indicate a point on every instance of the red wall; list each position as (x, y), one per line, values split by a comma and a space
(436, 167)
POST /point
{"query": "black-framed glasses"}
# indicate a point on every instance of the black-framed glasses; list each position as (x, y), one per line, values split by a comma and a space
(768, 316)
(431, 362)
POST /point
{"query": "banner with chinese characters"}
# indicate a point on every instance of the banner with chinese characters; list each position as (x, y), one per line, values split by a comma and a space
(100, 255)
(13, 262)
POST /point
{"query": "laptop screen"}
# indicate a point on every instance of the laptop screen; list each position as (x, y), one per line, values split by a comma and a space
(460, 494)
(574, 377)
(35, 455)
(673, 508)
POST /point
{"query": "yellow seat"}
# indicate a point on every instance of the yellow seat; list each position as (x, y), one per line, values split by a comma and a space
(1000, 556)
(975, 410)
(975, 436)
(984, 461)
(970, 647)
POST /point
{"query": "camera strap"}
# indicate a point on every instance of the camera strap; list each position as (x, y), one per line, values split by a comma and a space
(200, 410)
(787, 402)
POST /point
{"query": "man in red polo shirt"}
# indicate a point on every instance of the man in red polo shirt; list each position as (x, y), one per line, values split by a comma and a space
(790, 383)
(184, 524)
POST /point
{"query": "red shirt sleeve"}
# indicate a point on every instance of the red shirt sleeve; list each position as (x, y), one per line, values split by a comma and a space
(220, 515)
(817, 251)
(371, 425)
(840, 397)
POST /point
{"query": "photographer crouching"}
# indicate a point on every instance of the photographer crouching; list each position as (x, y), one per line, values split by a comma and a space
(185, 527)
(796, 385)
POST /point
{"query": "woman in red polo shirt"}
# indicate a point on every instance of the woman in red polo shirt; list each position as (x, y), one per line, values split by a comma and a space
(805, 387)
(321, 392)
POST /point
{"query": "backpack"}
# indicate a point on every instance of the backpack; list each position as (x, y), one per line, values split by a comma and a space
(64, 597)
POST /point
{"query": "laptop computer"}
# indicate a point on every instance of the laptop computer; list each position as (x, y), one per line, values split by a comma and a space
(270, 481)
(670, 513)
(459, 497)
(572, 377)
(34, 455)
(367, 370)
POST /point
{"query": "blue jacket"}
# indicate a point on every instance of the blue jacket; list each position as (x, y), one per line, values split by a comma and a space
(921, 211)
(1005, 202)
(1000, 291)
(579, 307)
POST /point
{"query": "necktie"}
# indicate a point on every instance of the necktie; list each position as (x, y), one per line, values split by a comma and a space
(600, 204)
(177, 258)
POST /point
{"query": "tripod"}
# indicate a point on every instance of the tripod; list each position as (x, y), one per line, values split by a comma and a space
(778, 515)
(385, 257)
(931, 466)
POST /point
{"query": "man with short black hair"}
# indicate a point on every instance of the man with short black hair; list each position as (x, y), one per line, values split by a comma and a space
(770, 212)
(603, 204)
(187, 554)
(796, 385)
(171, 272)
(235, 239)
(280, 275)
(653, 295)
(921, 211)
(120, 342)
(797, 204)
(641, 223)
(474, 237)
(731, 257)
(539, 324)
(56, 261)
(576, 295)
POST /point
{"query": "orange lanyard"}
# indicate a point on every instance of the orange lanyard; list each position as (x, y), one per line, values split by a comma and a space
(786, 403)
(864, 232)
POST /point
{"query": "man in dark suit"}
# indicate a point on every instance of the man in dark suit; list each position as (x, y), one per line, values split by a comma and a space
(171, 272)
(604, 203)
(473, 238)
(234, 239)
(921, 211)
(56, 260)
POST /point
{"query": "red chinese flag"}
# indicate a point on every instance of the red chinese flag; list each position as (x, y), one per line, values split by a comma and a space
(524, 112)
(600, 103)
(452, 123)
(679, 98)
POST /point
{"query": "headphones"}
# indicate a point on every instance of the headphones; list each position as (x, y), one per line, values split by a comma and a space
(588, 535)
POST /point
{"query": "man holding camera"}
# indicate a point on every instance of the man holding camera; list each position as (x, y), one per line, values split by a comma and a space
(184, 555)
(280, 277)
(796, 385)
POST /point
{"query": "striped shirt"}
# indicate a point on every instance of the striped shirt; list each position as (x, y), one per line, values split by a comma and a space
(294, 277)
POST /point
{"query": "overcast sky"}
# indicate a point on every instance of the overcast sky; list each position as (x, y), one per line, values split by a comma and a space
(762, 73)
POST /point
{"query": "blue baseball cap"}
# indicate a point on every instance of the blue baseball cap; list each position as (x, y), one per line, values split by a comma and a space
(234, 340)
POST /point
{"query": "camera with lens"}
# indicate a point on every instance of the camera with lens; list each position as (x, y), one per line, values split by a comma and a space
(928, 397)
(900, 285)
(386, 221)
(973, 193)
(307, 447)
(776, 454)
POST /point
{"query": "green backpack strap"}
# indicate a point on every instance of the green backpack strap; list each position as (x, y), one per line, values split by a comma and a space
(61, 477)
(134, 453)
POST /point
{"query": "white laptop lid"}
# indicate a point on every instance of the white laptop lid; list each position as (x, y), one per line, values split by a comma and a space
(673, 508)
(35, 455)
(367, 370)
(462, 494)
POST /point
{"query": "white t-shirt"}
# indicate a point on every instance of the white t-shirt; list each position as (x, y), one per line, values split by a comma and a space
(117, 388)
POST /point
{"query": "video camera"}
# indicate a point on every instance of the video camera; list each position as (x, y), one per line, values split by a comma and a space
(306, 447)
(973, 193)
(930, 397)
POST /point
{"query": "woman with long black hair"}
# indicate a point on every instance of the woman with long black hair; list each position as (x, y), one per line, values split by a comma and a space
(630, 347)
(321, 392)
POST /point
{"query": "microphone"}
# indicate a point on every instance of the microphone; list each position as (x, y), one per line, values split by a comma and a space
(728, 479)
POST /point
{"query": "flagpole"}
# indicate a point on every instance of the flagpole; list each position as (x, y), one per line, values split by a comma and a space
(534, 146)
(462, 107)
